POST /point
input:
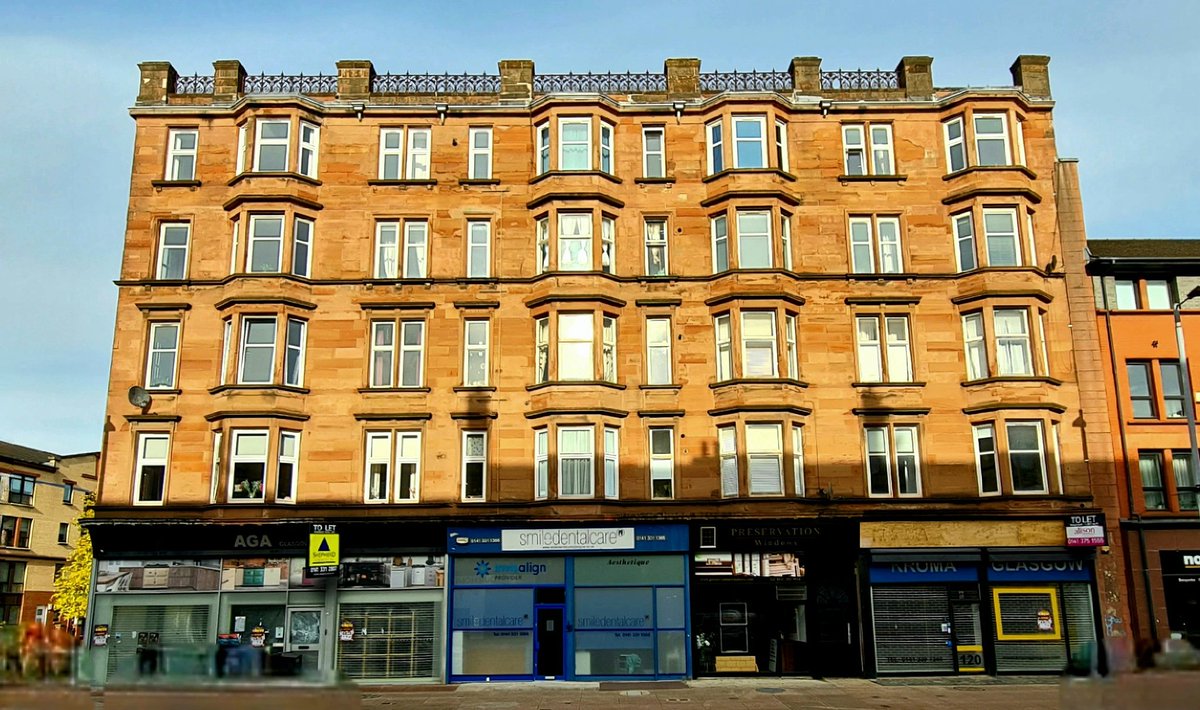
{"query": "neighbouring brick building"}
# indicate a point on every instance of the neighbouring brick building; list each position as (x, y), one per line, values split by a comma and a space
(605, 376)
(1137, 284)
(41, 496)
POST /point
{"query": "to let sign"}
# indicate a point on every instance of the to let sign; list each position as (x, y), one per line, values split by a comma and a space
(1086, 530)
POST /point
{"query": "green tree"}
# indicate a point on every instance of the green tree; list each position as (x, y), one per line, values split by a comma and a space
(72, 584)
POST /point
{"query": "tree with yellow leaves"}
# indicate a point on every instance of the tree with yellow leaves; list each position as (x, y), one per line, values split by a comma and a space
(73, 582)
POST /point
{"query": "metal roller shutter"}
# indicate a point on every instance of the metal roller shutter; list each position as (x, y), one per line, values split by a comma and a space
(1019, 613)
(391, 641)
(176, 626)
(908, 630)
(1081, 627)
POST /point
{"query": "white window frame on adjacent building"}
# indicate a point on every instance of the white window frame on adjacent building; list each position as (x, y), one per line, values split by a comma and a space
(383, 354)
(541, 463)
(302, 242)
(274, 142)
(728, 469)
(739, 141)
(475, 353)
(387, 250)
(654, 161)
(1012, 342)
(606, 147)
(764, 456)
(169, 251)
(1040, 451)
(657, 248)
(748, 237)
(964, 241)
(377, 471)
(240, 162)
(723, 336)
(563, 144)
(720, 243)
(257, 241)
(658, 351)
(798, 459)
(543, 245)
(714, 133)
(956, 145)
(992, 137)
(884, 348)
(608, 244)
(245, 347)
(543, 147)
(759, 343)
(572, 346)
(237, 456)
(541, 349)
(417, 157)
(145, 461)
(416, 249)
(295, 345)
(310, 141)
(993, 238)
(612, 464)
(1126, 295)
(410, 351)
(883, 160)
(162, 355)
(291, 460)
(986, 453)
(875, 245)
(408, 464)
(791, 353)
(1160, 295)
(181, 159)
(574, 241)
(479, 154)
(781, 145)
(889, 437)
(391, 149)
(480, 459)
(608, 348)
(975, 346)
(662, 462)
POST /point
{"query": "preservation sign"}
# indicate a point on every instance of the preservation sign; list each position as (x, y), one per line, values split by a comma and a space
(323, 554)
(1086, 530)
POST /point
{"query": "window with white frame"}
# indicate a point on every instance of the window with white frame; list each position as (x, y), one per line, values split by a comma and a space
(226, 346)
(248, 466)
(720, 240)
(656, 247)
(975, 345)
(235, 245)
(750, 142)
(881, 150)
(714, 133)
(240, 163)
(21, 489)
(218, 464)
(271, 146)
(416, 246)
(1000, 237)
(408, 466)
(893, 461)
(575, 241)
(575, 144)
(785, 239)
(378, 474)
(991, 139)
(608, 348)
(781, 145)
(723, 338)
(658, 351)
(1030, 238)
(608, 245)
(391, 153)
(606, 147)
(612, 474)
(789, 342)
(1127, 295)
(412, 353)
(576, 455)
(1027, 457)
(754, 240)
(855, 148)
(1013, 355)
(956, 146)
(964, 241)
(877, 363)
(759, 345)
(163, 356)
(575, 349)
(764, 454)
(310, 139)
(653, 152)
(541, 463)
(854, 152)
(475, 353)
(302, 234)
(181, 154)
(662, 462)
(150, 474)
(985, 459)
(387, 245)
(543, 245)
(1160, 296)
(256, 361)
(727, 450)
(266, 244)
(543, 141)
(287, 470)
(480, 154)
(474, 463)
(541, 334)
(875, 245)
(293, 360)
(384, 345)
(798, 459)
(417, 158)
(173, 239)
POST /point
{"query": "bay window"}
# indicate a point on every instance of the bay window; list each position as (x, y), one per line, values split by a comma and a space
(256, 360)
(727, 451)
(764, 454)
(1026, 457)
(754, 240)
(584, 347)
(248, 462)
(271, 144)
(991, 139)
(310, 138)
(1013, 357)
(286, 473)
(265, 251)
(575, 144)
(575, 335)
(759, 354)
(612, 455)
(749, 136)
(575, 242)
(1000, 237)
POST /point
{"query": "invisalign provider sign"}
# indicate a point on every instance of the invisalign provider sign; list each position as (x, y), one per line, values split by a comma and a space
(567, 539)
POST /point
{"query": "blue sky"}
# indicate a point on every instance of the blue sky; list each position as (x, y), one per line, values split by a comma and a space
(1123, 75)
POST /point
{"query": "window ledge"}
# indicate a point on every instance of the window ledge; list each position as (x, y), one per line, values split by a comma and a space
(289, 174)
(887, 384)
(673, 388)
(476, 388)
(750, 171)
(758, 381)
(574, 383)
(1180, 421)
(258, 388)
(393, 390)
(990, 169)
(581, 173)
(895, 177)
(478, 181)
(160, 184)
(153, 391)
(153, 418)
(654, 181)
(1018, 378)
(402, 183)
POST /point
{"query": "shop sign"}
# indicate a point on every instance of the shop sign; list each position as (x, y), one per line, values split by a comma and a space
(323, 551)
(567, 539)
(1039, 570)
(920, 571)
(642, 538)
(100, 635)
(969, 658)
(1086, 530)
(1180, 561)
(479, 571)
(1045, 622)
(346, 631)
(630, 570)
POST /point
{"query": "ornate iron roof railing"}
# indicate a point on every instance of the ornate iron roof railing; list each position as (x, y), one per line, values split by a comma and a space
(745, 81)
(436, 84)
(291, 84)
(194, 84)
(608, 83)
(860, 79)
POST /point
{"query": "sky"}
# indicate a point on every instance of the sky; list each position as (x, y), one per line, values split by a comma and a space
(1123, 75)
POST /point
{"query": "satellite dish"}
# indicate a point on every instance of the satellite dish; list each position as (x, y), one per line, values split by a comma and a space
(139, 397)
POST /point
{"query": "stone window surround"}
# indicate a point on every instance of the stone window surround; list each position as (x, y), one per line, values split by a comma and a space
(777, 213)
(1051, 450)
(1036, 311)
(240, 223)
(599, 312)
(734, 309)
(739, 419)
(250, 118)
(256, 422)
(1015, 118)
(1026, 219)
(282, 312)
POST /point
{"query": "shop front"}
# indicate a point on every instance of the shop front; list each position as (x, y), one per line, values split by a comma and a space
(1181, 591)
(774, 597)
(568, 603)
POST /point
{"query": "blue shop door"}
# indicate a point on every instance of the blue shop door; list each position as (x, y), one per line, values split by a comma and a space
(549, 645)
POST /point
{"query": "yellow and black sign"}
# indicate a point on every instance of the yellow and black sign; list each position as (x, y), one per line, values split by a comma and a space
(970, 659)
(323, 551)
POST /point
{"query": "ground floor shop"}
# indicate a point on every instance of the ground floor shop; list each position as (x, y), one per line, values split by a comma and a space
(1164, 570)
(573, 603)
